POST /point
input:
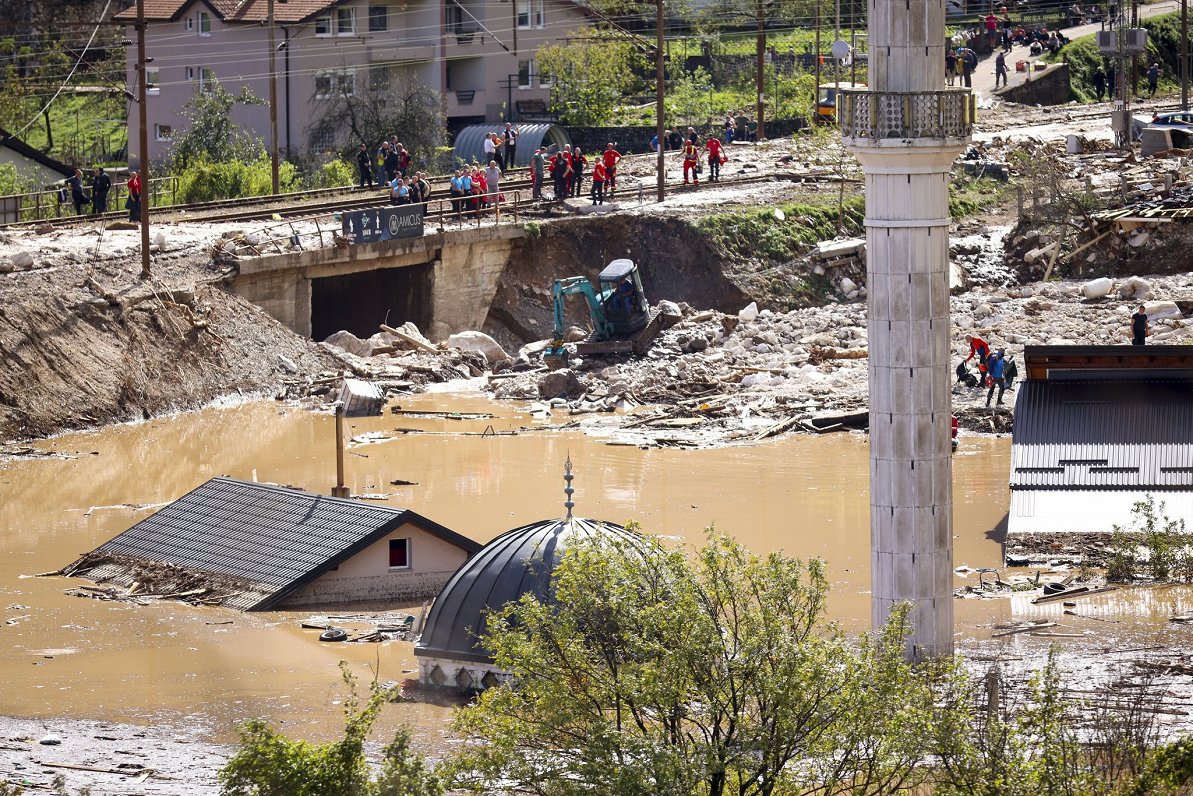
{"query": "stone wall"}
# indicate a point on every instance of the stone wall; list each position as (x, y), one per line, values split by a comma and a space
(401, 587)
(1050, 87)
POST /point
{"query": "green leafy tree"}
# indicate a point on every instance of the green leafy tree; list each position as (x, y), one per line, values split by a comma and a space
(369, 111)
(590, 75)
(689, 98)
(270, 764)
(211, 136)
(652, 673)
(1165, 539)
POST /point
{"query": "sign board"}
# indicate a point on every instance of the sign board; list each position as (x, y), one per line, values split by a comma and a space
(384, 223)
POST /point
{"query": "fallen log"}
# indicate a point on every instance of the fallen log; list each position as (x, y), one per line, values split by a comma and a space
(414, 341)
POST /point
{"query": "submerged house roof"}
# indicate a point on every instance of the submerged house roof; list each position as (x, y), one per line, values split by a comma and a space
(269, 540)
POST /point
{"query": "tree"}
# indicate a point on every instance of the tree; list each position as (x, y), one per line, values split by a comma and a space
(270, 764)
(349, 115)
(650, 673)
(591, 73)
(211, 136)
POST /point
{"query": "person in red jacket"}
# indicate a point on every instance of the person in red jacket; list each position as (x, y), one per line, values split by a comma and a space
(134, 196)
(610, 158)
(979, 348)
(599, 175)
(691, 160)
(716, 156)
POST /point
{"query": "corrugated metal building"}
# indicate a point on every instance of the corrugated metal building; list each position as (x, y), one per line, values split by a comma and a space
(1097, 429)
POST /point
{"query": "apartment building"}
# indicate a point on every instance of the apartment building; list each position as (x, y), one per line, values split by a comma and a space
(480, 54)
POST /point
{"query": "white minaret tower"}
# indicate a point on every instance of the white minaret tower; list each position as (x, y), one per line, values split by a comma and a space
(906, 128)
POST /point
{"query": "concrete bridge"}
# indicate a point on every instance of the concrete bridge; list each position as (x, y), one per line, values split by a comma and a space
(444, 282)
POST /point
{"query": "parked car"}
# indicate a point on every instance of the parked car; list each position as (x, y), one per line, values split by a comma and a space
(1174, 119)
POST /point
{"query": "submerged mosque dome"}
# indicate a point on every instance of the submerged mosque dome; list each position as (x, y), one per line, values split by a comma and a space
(517, 562)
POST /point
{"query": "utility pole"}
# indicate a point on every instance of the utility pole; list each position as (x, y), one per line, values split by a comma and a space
(659, 109)
(816, 88)
(1184, 55)
(143, 96)
(761, 53)
(273, 100)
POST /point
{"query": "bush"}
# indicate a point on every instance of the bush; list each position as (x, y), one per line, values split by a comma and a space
(270, 764)
(204, 182)
(336, 173)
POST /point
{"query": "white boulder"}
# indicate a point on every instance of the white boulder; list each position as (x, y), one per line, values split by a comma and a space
(479, 342)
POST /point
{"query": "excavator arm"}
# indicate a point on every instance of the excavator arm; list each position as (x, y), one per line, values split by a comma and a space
(556, 353)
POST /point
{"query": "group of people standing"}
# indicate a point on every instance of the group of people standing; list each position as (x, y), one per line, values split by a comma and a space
(93, 193)
(994, 368)
(566, 169)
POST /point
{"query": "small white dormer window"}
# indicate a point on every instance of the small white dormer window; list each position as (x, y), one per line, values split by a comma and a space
(204, 23)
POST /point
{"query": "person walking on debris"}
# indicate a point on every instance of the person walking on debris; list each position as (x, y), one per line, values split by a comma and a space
(1153, 78)
(716, 157)
(979, 348)
(100, 185)
(1139, 330)
(994, 370)
(365, 164)
(133, 203)
(691, 162)
(1000, 69)
(1099, 82)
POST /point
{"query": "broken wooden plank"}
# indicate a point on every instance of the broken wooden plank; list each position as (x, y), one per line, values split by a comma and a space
(1073, 594)
(1024, 629)
(414, 341)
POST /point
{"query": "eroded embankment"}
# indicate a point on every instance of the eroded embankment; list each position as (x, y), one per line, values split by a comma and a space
(73, 358)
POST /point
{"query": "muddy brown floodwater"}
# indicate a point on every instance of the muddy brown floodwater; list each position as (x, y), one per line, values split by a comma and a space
(185, 667)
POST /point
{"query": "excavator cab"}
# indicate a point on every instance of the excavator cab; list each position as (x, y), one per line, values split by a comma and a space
(622, 297)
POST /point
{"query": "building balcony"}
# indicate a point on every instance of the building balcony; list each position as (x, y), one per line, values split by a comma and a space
(464, 41)
(871, 116)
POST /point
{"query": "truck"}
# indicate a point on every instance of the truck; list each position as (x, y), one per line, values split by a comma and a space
(622, 319)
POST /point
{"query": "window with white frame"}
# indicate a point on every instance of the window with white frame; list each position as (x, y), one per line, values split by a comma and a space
(190, 73)
(323, 25)
(346, 82)
(399, 554)
(204, 23)
(345, 21)
(378, 19)
(206, 79)
(525, 74)
(188, 24)
(545, 79)
(163, 132)
(153, 83)
(325, 85)
(530, 13)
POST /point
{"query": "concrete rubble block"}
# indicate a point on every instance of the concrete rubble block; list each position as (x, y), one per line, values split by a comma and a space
(832, 249)
(347, 341)
(982, 311)
(360, 398)
(21, 261)
(575, 334)
(411, 330)
(1097, 288)
(287, 364)
(1135, 289)
(6, 266)
(1139, 238)
(749, 312)
(557, 383)
(1159, 310)
(847, 285)
(479, 342)
(670, 312)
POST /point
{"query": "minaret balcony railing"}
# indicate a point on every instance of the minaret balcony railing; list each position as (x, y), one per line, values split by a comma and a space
(947, 114)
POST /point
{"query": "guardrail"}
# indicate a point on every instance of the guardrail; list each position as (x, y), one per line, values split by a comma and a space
(284, 236)
(944, 114)
(45, 205)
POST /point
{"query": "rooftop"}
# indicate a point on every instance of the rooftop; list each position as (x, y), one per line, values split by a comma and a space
(269, 539)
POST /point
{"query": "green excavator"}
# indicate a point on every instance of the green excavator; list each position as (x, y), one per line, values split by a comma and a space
(622, 319)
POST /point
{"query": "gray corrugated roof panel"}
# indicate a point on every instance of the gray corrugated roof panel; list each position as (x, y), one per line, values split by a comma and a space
(275, 537)
(470, 142)
(1103, 435)
(518, 562)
